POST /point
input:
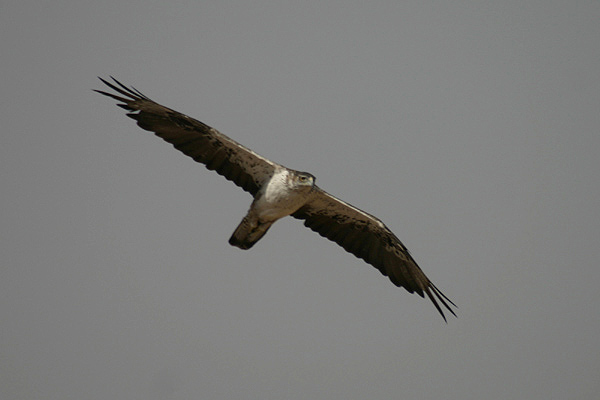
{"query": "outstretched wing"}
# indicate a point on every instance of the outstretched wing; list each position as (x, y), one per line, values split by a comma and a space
(195, 139)
(368, 238)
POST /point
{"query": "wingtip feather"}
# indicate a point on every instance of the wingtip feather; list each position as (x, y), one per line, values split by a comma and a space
(442, 299)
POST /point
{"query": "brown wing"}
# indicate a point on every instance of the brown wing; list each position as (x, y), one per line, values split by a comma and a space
(196, 139)
(368, 238)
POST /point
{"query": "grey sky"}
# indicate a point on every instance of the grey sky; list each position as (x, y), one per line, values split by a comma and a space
(471, 128)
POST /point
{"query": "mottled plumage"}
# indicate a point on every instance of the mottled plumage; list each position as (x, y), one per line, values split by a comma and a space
(279, 191)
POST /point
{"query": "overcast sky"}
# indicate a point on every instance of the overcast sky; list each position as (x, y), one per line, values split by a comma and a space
(471, 128)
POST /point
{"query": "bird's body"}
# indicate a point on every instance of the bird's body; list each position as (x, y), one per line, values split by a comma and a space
(278, 192)
(283, 194)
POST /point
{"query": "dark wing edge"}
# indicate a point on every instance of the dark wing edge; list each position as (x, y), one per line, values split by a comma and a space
(195, 139)
(369, 239)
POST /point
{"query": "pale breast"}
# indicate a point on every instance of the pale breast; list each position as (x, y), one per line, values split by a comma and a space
(278, 198)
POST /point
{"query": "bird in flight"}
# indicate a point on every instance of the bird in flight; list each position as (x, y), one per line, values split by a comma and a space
(278, 192)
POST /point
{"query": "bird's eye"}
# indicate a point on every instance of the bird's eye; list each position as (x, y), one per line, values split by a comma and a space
(303, 179)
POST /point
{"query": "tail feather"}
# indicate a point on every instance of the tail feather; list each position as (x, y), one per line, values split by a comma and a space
(248, 233)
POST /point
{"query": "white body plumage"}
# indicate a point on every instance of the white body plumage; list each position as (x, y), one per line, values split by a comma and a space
(281, 196)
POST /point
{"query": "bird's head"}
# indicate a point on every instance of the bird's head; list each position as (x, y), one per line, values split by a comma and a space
(303, 180)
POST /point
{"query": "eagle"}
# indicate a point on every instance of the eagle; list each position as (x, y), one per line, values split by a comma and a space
(279, 191)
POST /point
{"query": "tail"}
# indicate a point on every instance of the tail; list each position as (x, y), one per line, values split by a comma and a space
(247, 233)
